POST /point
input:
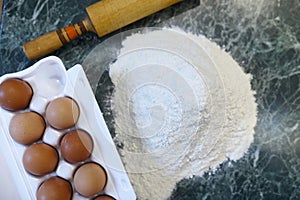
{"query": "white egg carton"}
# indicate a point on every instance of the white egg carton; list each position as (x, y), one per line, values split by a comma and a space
(50, 80)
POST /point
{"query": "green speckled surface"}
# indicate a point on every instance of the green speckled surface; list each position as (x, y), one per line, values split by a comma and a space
(263, 36)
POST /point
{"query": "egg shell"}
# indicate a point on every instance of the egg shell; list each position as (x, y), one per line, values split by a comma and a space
(26, 128)
(55, 188)
(90, 179)
(76, 146)
(40, 159)
(74, 85)
(62, 113)
(15, 94)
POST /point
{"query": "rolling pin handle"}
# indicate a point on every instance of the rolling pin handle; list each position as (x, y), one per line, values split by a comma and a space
(103, 18)
(45, 44)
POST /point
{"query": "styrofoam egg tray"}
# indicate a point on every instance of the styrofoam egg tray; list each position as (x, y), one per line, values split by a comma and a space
(49, 80)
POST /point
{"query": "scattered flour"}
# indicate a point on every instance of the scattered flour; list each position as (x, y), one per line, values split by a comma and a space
(181, 105)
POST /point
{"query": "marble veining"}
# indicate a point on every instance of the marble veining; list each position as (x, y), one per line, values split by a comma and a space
(263, 36)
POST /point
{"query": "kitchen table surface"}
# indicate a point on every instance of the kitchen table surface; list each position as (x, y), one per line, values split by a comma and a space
(263, 36)
(1, 4)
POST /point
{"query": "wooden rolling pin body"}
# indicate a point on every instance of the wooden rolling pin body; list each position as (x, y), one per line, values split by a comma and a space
(104, 17)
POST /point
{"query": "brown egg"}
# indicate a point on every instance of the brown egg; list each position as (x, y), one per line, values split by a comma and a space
(90, 179)
(40, 159)
(27, 127)
(104, 197)
(15, 94)
(76, 146)
(55, 188)
(62, 113)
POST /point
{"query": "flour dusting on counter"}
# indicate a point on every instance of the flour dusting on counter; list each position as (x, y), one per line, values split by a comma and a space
(181, 106)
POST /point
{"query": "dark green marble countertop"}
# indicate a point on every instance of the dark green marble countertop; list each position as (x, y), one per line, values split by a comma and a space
(263, 36)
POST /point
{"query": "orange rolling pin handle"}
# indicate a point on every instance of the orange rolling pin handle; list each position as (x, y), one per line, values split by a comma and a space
(45, 44)
(104, 17)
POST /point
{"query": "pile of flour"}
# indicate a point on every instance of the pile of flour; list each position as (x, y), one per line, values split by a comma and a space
(181, 106)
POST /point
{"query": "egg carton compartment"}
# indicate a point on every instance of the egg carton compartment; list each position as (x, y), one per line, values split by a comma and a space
(49, 80)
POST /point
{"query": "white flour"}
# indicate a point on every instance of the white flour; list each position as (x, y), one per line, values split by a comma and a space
(181, 106)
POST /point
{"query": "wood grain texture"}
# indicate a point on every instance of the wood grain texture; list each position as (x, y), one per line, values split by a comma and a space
(104, 17)
(52, 41)
(107, 16)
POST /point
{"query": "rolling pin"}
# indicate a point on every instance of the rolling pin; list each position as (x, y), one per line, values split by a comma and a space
(102, 18)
